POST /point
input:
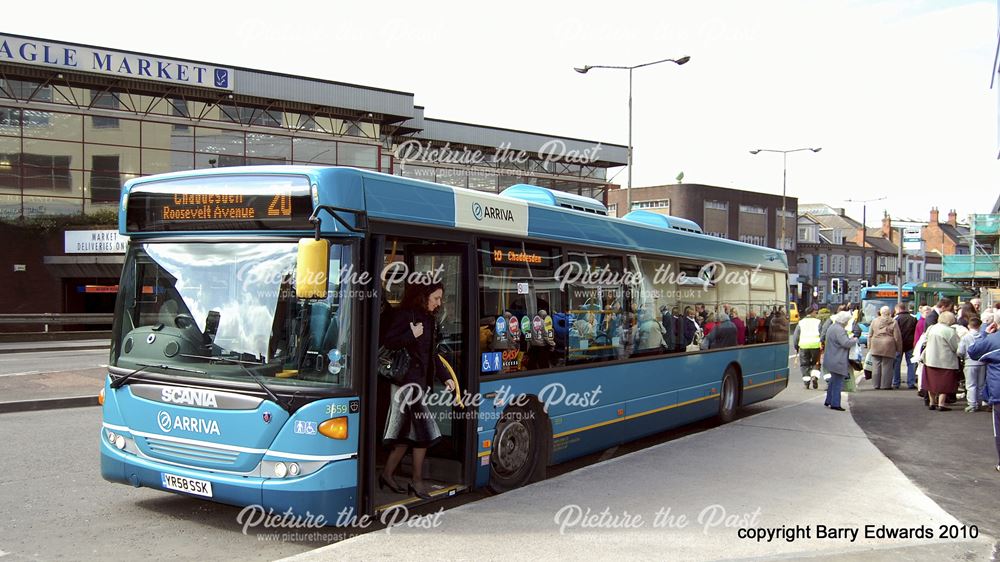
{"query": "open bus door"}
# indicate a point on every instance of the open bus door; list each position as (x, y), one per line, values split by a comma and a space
(447, 468)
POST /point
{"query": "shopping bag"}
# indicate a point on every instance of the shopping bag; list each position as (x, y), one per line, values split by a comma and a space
(849, 384)
(854, 358)
(868, 366)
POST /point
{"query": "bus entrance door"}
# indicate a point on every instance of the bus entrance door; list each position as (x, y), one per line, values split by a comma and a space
(409, 269)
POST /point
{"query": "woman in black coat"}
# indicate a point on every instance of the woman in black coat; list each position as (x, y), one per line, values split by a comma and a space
(410, 424)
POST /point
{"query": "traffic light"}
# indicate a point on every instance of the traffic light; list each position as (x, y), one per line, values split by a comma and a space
(835, 286)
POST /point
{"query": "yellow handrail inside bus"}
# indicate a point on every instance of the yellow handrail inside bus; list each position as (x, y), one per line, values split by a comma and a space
(454, 379)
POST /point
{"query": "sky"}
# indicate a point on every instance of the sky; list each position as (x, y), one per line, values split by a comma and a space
(895, 92)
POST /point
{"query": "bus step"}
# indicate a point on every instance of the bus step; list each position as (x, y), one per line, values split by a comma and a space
(437, 491)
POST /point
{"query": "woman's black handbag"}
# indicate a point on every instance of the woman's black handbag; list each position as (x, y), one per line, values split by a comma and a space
(393, 364)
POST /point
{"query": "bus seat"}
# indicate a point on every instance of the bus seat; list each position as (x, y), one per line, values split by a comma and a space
(331, 336)
(319, 320)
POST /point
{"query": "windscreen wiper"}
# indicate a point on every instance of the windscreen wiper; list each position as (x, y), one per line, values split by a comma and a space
(142, 367)
(253, 375)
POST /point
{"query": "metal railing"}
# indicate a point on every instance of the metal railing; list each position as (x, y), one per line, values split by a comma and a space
(56, 318)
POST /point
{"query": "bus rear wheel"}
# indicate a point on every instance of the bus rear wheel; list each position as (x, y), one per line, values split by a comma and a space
(729, 396)
(517, 443)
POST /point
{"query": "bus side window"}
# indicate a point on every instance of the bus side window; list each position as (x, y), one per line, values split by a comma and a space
(651, 299)
(600, 325)
(524, 318)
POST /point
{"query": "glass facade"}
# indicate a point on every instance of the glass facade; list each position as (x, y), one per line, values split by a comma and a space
(67, 148)
(57, 161)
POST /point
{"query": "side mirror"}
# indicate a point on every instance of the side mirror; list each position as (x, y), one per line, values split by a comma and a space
(312, 268)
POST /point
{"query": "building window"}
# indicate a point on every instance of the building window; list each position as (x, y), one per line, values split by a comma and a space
(104, 100)
(868, 265)
(753, 209)
(753, 239)
(179, 108)
(837, 264)
(613, 210)
(654, 204)
(105, 179)
(854, 265)
(716, 218)
(822, 263)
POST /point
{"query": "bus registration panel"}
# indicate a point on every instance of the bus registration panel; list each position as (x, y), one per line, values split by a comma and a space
(189, 485)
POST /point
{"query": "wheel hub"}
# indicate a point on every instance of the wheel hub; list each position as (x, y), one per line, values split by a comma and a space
(512, 448)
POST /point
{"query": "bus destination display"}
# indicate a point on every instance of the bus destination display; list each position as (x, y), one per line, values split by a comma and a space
(227, 207)
(283, 207)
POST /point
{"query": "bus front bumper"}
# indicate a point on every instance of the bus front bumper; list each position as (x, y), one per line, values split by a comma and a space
(329, 492)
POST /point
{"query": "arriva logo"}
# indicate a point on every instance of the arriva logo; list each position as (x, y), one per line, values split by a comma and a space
(189, 397)
(163, 420)
(480, 212)
(187, 423)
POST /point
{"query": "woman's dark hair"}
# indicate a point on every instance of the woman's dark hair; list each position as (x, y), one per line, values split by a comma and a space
(967, 311)
(415, 295)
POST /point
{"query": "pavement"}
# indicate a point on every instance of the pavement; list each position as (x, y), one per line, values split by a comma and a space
(51, 374)
(800, 466)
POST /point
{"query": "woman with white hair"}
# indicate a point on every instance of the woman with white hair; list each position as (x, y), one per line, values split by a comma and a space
(838, 346)
(941, 361)
(885, 341)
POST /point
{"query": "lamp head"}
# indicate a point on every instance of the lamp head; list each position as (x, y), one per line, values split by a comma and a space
(816, 149)
(755, 151)
(682, 60)
(581, 70)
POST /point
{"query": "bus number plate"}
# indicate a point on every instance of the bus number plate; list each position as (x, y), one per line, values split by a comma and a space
(189, 485)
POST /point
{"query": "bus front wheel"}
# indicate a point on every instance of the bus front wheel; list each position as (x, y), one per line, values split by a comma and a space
(729, 396)
(517, 445)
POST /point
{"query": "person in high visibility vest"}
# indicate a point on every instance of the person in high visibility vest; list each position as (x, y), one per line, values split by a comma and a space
(806, 341)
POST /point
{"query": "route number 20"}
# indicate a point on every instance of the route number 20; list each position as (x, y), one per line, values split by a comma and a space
(280, 206)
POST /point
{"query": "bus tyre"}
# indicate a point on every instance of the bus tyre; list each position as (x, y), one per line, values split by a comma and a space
(517, 446)
(729, 396)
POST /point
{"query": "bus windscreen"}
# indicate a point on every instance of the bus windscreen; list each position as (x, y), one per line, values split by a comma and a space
(220, 203)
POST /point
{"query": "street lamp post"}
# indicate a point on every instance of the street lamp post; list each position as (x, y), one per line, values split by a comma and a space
(864, 229)
(585, 69)
(784, 178)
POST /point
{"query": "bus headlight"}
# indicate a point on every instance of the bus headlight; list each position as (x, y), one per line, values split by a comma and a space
(280, 470)
(293, 469)
(120, 442)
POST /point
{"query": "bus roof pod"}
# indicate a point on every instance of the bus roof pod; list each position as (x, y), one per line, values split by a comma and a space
(663, 221)
(545, 196)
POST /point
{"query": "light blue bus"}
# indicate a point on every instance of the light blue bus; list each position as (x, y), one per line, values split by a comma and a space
(245, 334)
(875, 297)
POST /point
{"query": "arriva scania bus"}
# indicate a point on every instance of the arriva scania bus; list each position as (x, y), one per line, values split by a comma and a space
(249, 311)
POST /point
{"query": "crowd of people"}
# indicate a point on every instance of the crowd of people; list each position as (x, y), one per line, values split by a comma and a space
(941, 348)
